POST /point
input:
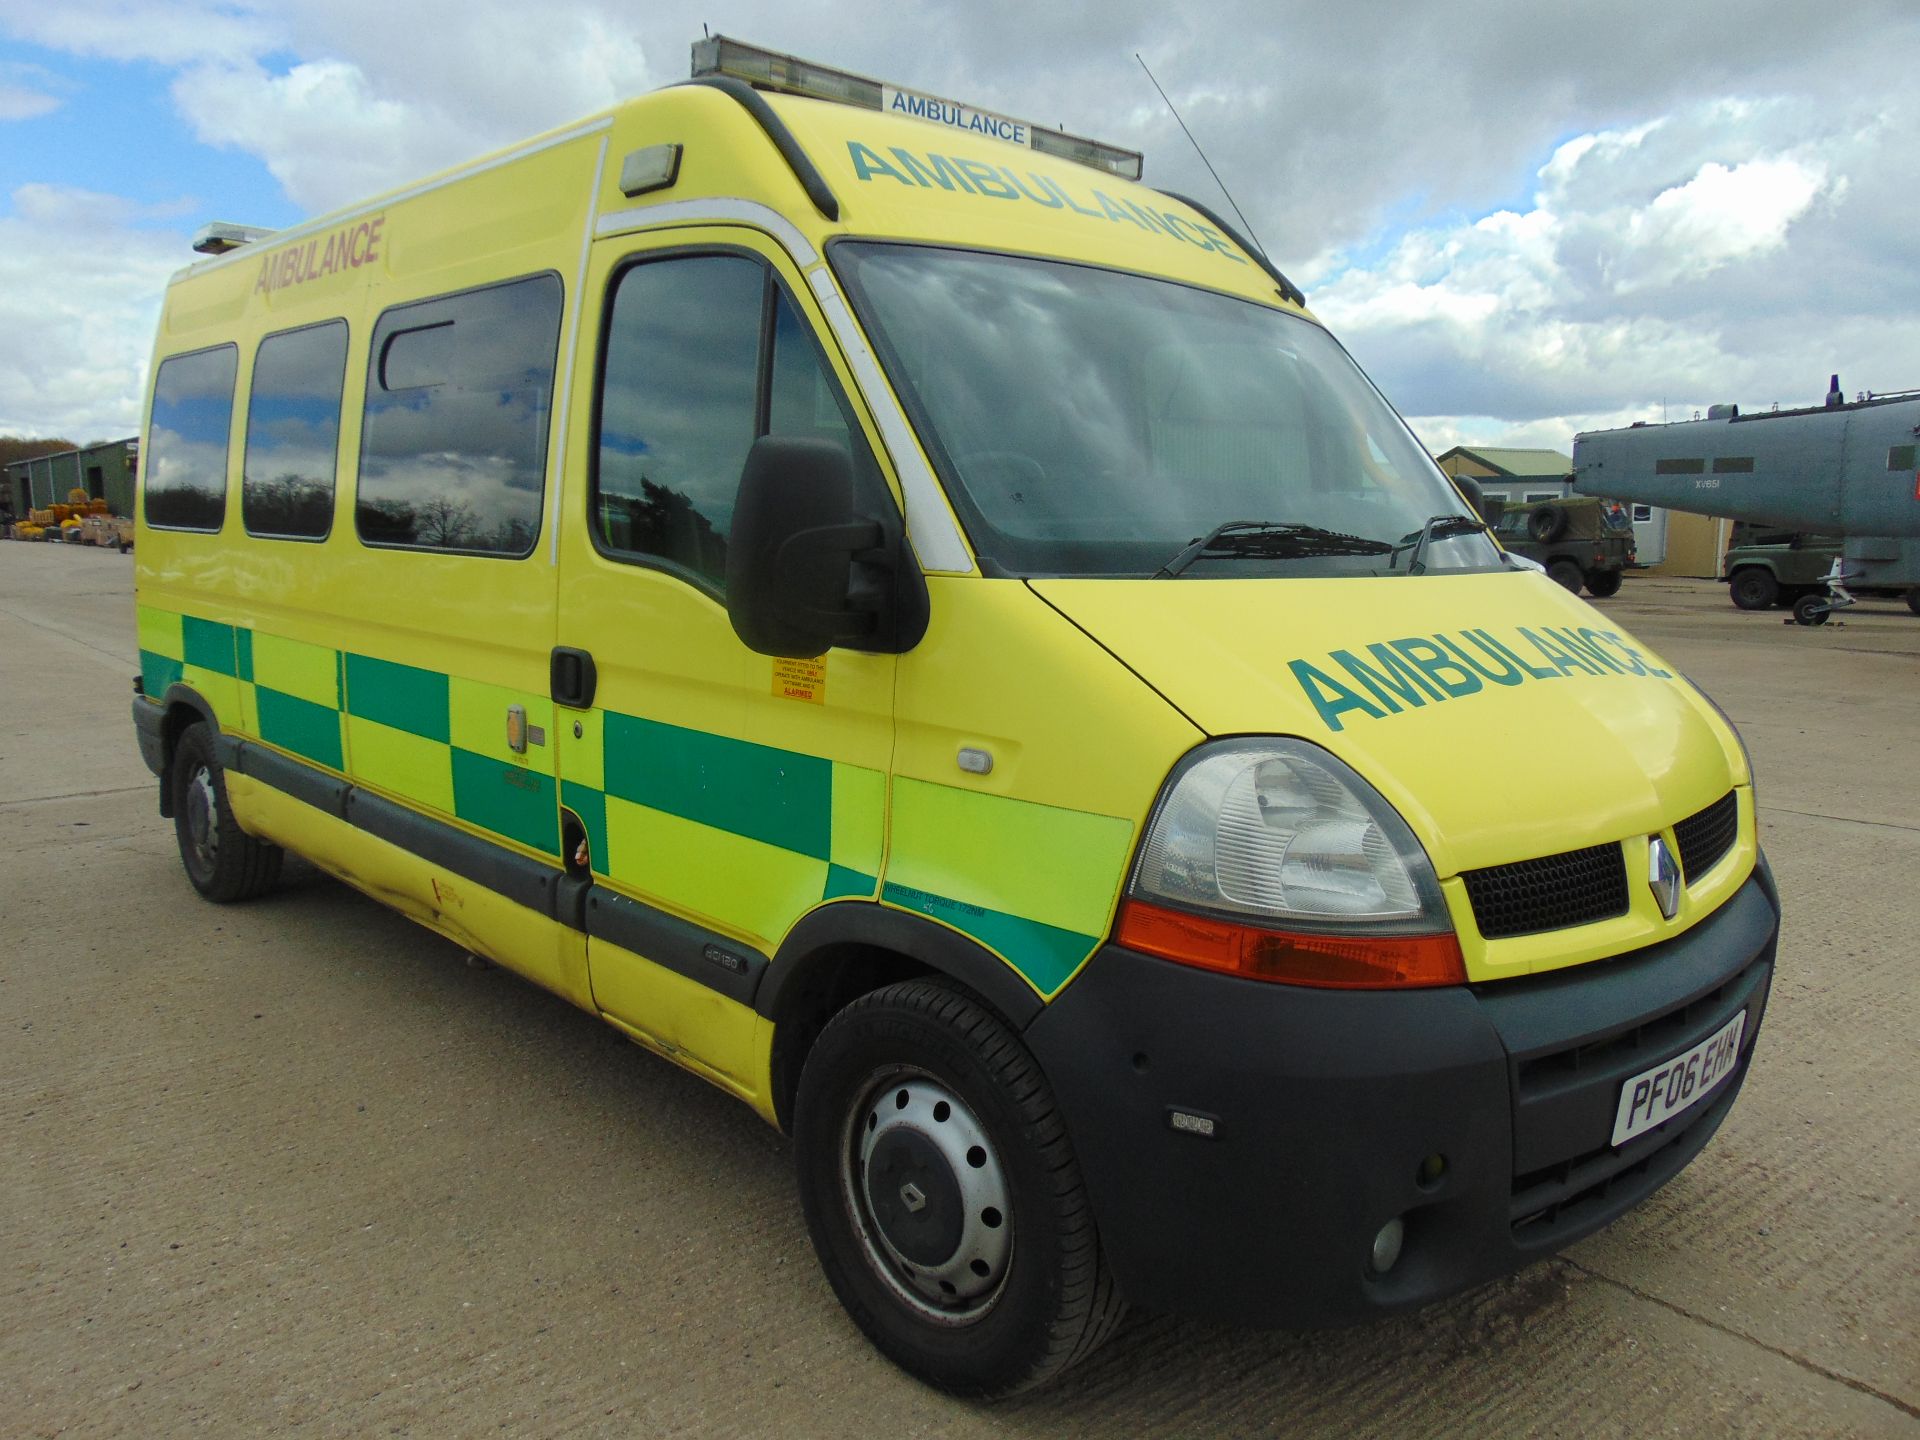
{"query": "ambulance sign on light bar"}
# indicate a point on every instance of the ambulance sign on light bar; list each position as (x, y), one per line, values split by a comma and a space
(960, 117)
(718, 55)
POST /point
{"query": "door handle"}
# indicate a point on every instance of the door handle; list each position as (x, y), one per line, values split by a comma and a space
(572, 678)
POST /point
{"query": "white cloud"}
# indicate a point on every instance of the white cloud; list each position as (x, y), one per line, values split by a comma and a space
(322, 131)
(1721, 215)
(27, 92)
(1516, 214)
(17, 102)
(1664, 261)
(80, 285)
(172, 32)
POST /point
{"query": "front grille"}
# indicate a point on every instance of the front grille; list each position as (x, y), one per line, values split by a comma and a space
(1570, 1199)
(1550, 893)
(1706, 836)
(1566, 1169)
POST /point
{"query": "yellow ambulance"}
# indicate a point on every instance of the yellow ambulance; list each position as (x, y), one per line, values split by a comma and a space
(930, 634)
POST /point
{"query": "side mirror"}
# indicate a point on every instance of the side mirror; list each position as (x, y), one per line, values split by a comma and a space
(791, 549)
(1488, 507)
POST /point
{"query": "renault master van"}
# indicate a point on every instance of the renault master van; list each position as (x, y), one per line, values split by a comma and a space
(929, 633)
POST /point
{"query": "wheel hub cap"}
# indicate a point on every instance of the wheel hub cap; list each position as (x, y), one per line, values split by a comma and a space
(934, 1197)
(202, 817)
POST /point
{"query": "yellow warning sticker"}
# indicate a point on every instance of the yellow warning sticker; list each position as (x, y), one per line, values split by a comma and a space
(801, 679)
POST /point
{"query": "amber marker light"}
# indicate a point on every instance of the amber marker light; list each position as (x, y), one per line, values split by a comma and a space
(1333, 962)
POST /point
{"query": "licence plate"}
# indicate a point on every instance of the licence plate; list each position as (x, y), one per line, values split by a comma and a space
(1678, 1084)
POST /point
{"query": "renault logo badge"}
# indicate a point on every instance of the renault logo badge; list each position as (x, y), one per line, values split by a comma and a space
(1663, 876)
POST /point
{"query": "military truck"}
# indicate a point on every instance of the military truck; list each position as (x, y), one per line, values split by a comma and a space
(1766, 566)
(1580, 540)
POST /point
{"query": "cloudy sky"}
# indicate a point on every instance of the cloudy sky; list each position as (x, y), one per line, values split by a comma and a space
(1525, 219)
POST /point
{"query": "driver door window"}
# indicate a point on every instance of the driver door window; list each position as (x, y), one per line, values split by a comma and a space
(705, 353)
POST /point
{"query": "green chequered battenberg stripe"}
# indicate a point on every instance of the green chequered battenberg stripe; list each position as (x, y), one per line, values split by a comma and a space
(749, 834)
(296, 694)
(401, 726)
(190, 651)
(778, 797)
(403, 722)
(162, 649)
(1034, 883)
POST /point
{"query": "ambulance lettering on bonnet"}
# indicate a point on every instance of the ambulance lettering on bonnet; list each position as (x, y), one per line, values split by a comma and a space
(1405, 674)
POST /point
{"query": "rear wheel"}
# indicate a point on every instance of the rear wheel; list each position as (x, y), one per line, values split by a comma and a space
(1753, 589)
(943, 1196)
(222, 860)
(1603, 583)
(1811, 610)
(1565, 572)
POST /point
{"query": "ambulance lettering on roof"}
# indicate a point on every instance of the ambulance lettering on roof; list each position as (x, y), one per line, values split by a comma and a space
(346, 249)
(946, 112)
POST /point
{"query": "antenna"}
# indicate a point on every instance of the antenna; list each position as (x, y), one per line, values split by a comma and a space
(1203, 157)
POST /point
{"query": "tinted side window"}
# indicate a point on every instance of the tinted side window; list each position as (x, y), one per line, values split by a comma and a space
(186, 458)
(293, 431)
(459, 393)
(704, 355)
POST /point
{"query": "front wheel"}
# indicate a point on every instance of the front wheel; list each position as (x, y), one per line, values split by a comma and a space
(1602, 584)
(1753, 589)
(943, 1196)
(222, 860)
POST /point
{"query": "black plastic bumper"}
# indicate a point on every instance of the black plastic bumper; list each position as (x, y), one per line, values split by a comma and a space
(149, 728)
(1326, 1106)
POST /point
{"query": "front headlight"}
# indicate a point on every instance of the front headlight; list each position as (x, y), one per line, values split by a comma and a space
(1271, 858)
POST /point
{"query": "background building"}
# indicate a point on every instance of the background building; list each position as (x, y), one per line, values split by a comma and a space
(105, 471)
(1517, 476)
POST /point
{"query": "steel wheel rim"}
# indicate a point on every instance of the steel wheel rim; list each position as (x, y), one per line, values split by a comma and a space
(203, 827)
(908, 1113)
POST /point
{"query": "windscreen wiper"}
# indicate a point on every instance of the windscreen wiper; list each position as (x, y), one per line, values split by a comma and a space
(1438, 527)
(1270, 540)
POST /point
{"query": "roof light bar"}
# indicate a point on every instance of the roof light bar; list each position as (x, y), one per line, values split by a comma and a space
(719, 55)
(218, 237)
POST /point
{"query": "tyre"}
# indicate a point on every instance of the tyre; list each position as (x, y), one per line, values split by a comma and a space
(222, 860)
(943, 1196)
(1603, 583)
(1913, 599)
(1752, 588)
(1547, 524)
(1565, 572)
(1810, 610)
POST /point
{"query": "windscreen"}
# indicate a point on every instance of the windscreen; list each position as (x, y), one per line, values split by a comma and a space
(1089, 422)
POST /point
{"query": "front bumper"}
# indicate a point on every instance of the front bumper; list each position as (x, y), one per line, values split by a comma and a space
(149, 729)
(1327, 1104)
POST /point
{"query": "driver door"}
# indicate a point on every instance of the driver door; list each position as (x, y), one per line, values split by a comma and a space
(720, 794)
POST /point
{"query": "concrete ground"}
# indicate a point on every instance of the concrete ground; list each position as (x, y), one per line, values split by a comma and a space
(295, 1167)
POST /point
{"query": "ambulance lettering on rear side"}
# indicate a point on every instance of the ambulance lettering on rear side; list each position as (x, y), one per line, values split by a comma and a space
(348, 248)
